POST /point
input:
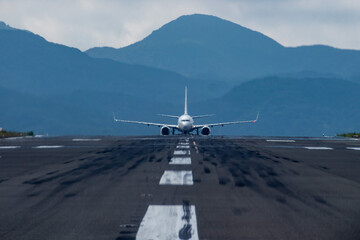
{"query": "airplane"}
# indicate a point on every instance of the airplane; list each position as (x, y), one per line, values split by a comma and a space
(185, 123)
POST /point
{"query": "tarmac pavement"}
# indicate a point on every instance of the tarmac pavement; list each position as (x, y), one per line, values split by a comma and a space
(179, 187)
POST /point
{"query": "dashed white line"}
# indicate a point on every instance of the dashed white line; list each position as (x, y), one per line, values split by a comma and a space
(354, 148)
(9, 147)
(319, 148)
(176, 178)
(45, 147)
(280, 140)
(180, 161)
(180, 221)
(14, 138)
(182, 152)
(183, 146)
(157, 217)
(86, 139)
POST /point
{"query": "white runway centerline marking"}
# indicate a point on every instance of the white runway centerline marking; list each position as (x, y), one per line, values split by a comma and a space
(182, 143)
(180, 160)
(9, 147)
(354, 148)
(182, 152)
(319, 148)
(54, 146)
(177, 178)
(183, 146)
(280, 140)
(86, 139)
(168, 222)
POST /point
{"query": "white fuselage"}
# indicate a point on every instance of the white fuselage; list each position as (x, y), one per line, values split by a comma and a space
(185, 123)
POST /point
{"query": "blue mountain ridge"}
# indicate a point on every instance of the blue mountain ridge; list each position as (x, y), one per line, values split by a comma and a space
(71, 87)
(29, 63)
(289, 106)
(209, 47)
(4, 26)
(51, 88)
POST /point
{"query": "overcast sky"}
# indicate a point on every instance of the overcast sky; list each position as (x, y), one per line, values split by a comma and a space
(88, 23)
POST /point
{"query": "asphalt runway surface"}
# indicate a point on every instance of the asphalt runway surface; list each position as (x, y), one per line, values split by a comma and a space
(179, 187)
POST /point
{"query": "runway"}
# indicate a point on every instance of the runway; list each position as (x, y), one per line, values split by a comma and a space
(179, 187)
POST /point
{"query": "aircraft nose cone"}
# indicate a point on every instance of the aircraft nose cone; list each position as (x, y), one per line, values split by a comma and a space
(187, 126)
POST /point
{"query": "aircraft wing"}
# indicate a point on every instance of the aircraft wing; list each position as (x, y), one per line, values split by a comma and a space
(226, 123)
(202, 116)
(145, 123)
(167, 115)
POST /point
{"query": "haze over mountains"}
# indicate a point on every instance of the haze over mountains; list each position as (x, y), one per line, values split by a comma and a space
(55, 89)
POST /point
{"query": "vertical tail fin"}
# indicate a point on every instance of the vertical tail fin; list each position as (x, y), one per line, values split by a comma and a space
(185, 110)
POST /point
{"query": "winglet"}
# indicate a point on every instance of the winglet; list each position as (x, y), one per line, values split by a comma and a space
(114, 117)
(257, 117)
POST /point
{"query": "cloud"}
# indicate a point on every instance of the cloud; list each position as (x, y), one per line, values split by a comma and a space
(117, 23)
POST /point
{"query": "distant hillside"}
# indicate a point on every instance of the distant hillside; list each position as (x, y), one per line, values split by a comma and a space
(51, 88)
(30, 64)
(54, 89)
(78, 112)
(4, 26)
(208, 47)
(290, 107)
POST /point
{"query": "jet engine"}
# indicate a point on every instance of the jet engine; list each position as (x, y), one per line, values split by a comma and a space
(205, 131)
(165, 130)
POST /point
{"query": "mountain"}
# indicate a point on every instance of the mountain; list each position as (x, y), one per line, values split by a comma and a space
(208, 47)
(78, 112)
(289, 107)
(30, 64)
(51, 88)
(4, 26)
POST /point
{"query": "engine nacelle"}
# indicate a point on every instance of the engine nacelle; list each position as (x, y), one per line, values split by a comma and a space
(205, 131)
(165, 131)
